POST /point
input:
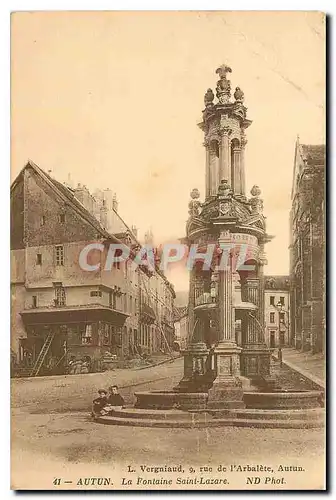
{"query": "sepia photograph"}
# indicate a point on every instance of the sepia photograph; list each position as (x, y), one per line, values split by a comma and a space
(168, 250)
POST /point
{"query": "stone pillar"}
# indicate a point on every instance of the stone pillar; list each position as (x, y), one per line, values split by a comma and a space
(226, 391)
(226, 305)
(256, 356)
(236, 170)
(207, 170)
(225, 156)
(251, 292)
(242, 167)
(213, 160)
(196, 353)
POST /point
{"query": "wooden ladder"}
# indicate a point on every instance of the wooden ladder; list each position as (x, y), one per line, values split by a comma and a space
(42, 354)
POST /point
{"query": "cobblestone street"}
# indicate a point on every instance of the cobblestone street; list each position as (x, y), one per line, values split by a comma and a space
(52, 430)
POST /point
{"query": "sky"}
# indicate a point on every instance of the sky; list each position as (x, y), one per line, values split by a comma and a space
(114, 98)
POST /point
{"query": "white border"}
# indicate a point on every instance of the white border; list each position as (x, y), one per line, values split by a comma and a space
(5, 8)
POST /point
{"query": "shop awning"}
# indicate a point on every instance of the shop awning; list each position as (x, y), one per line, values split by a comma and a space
(73, 314)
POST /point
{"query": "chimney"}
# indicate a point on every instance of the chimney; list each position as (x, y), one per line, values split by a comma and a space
(134, 230)
(103, 215)
(115, 203)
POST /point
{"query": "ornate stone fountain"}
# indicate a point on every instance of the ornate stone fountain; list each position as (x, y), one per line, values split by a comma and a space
(226, 356)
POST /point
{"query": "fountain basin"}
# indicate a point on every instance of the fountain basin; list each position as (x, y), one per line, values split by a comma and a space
(283, 399)
(169, 399)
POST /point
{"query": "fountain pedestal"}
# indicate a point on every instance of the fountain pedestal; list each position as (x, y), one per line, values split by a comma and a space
(226, 391)
(195, 369)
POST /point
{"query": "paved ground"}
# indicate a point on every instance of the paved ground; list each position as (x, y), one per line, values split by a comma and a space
(309, 364)
(54, 437)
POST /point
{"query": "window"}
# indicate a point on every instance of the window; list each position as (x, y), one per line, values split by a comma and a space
(272, 299)
(43, 220)
(59, 255)
(39, 259)
(272, 317)
(59, 296)
(95, 293)
(282, 317)
(87, 335)
(131, 305)
(34, 301)
(61, 218)
(282, 301)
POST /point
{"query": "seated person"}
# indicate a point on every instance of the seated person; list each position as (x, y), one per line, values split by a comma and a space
(114, 401)
(99, 403)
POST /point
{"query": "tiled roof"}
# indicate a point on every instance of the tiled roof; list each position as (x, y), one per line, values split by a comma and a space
(83, 212)
(276, 282)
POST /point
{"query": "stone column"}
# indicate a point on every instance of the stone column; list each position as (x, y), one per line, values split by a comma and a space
(242, 167)
(226, 391)
(213, 161)
(224, 155)
(251, 292)
(207, 170)
(256, 356)
(236, 170)
(226, 305)
(196, 352)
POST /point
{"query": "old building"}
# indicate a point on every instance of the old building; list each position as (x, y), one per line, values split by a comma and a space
(61, 311)
(181, 323)
(277, 311)
(307, 248)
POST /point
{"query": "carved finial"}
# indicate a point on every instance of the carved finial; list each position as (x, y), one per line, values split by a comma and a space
(194, 203)
(223, 89)
(222, 70)
(208, 98)
(195, 194)
(256, 203)
(238, 95)
(255, 191)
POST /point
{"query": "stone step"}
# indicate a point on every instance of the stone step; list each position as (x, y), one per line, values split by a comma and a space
(176, 414)
(218, 422)
(308, 414)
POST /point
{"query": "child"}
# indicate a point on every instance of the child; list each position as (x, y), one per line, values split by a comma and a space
(99, 403)
(114, 401)
(114, 398)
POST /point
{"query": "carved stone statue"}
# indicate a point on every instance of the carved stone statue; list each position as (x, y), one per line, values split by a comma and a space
(238, 95)
(208, 98)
